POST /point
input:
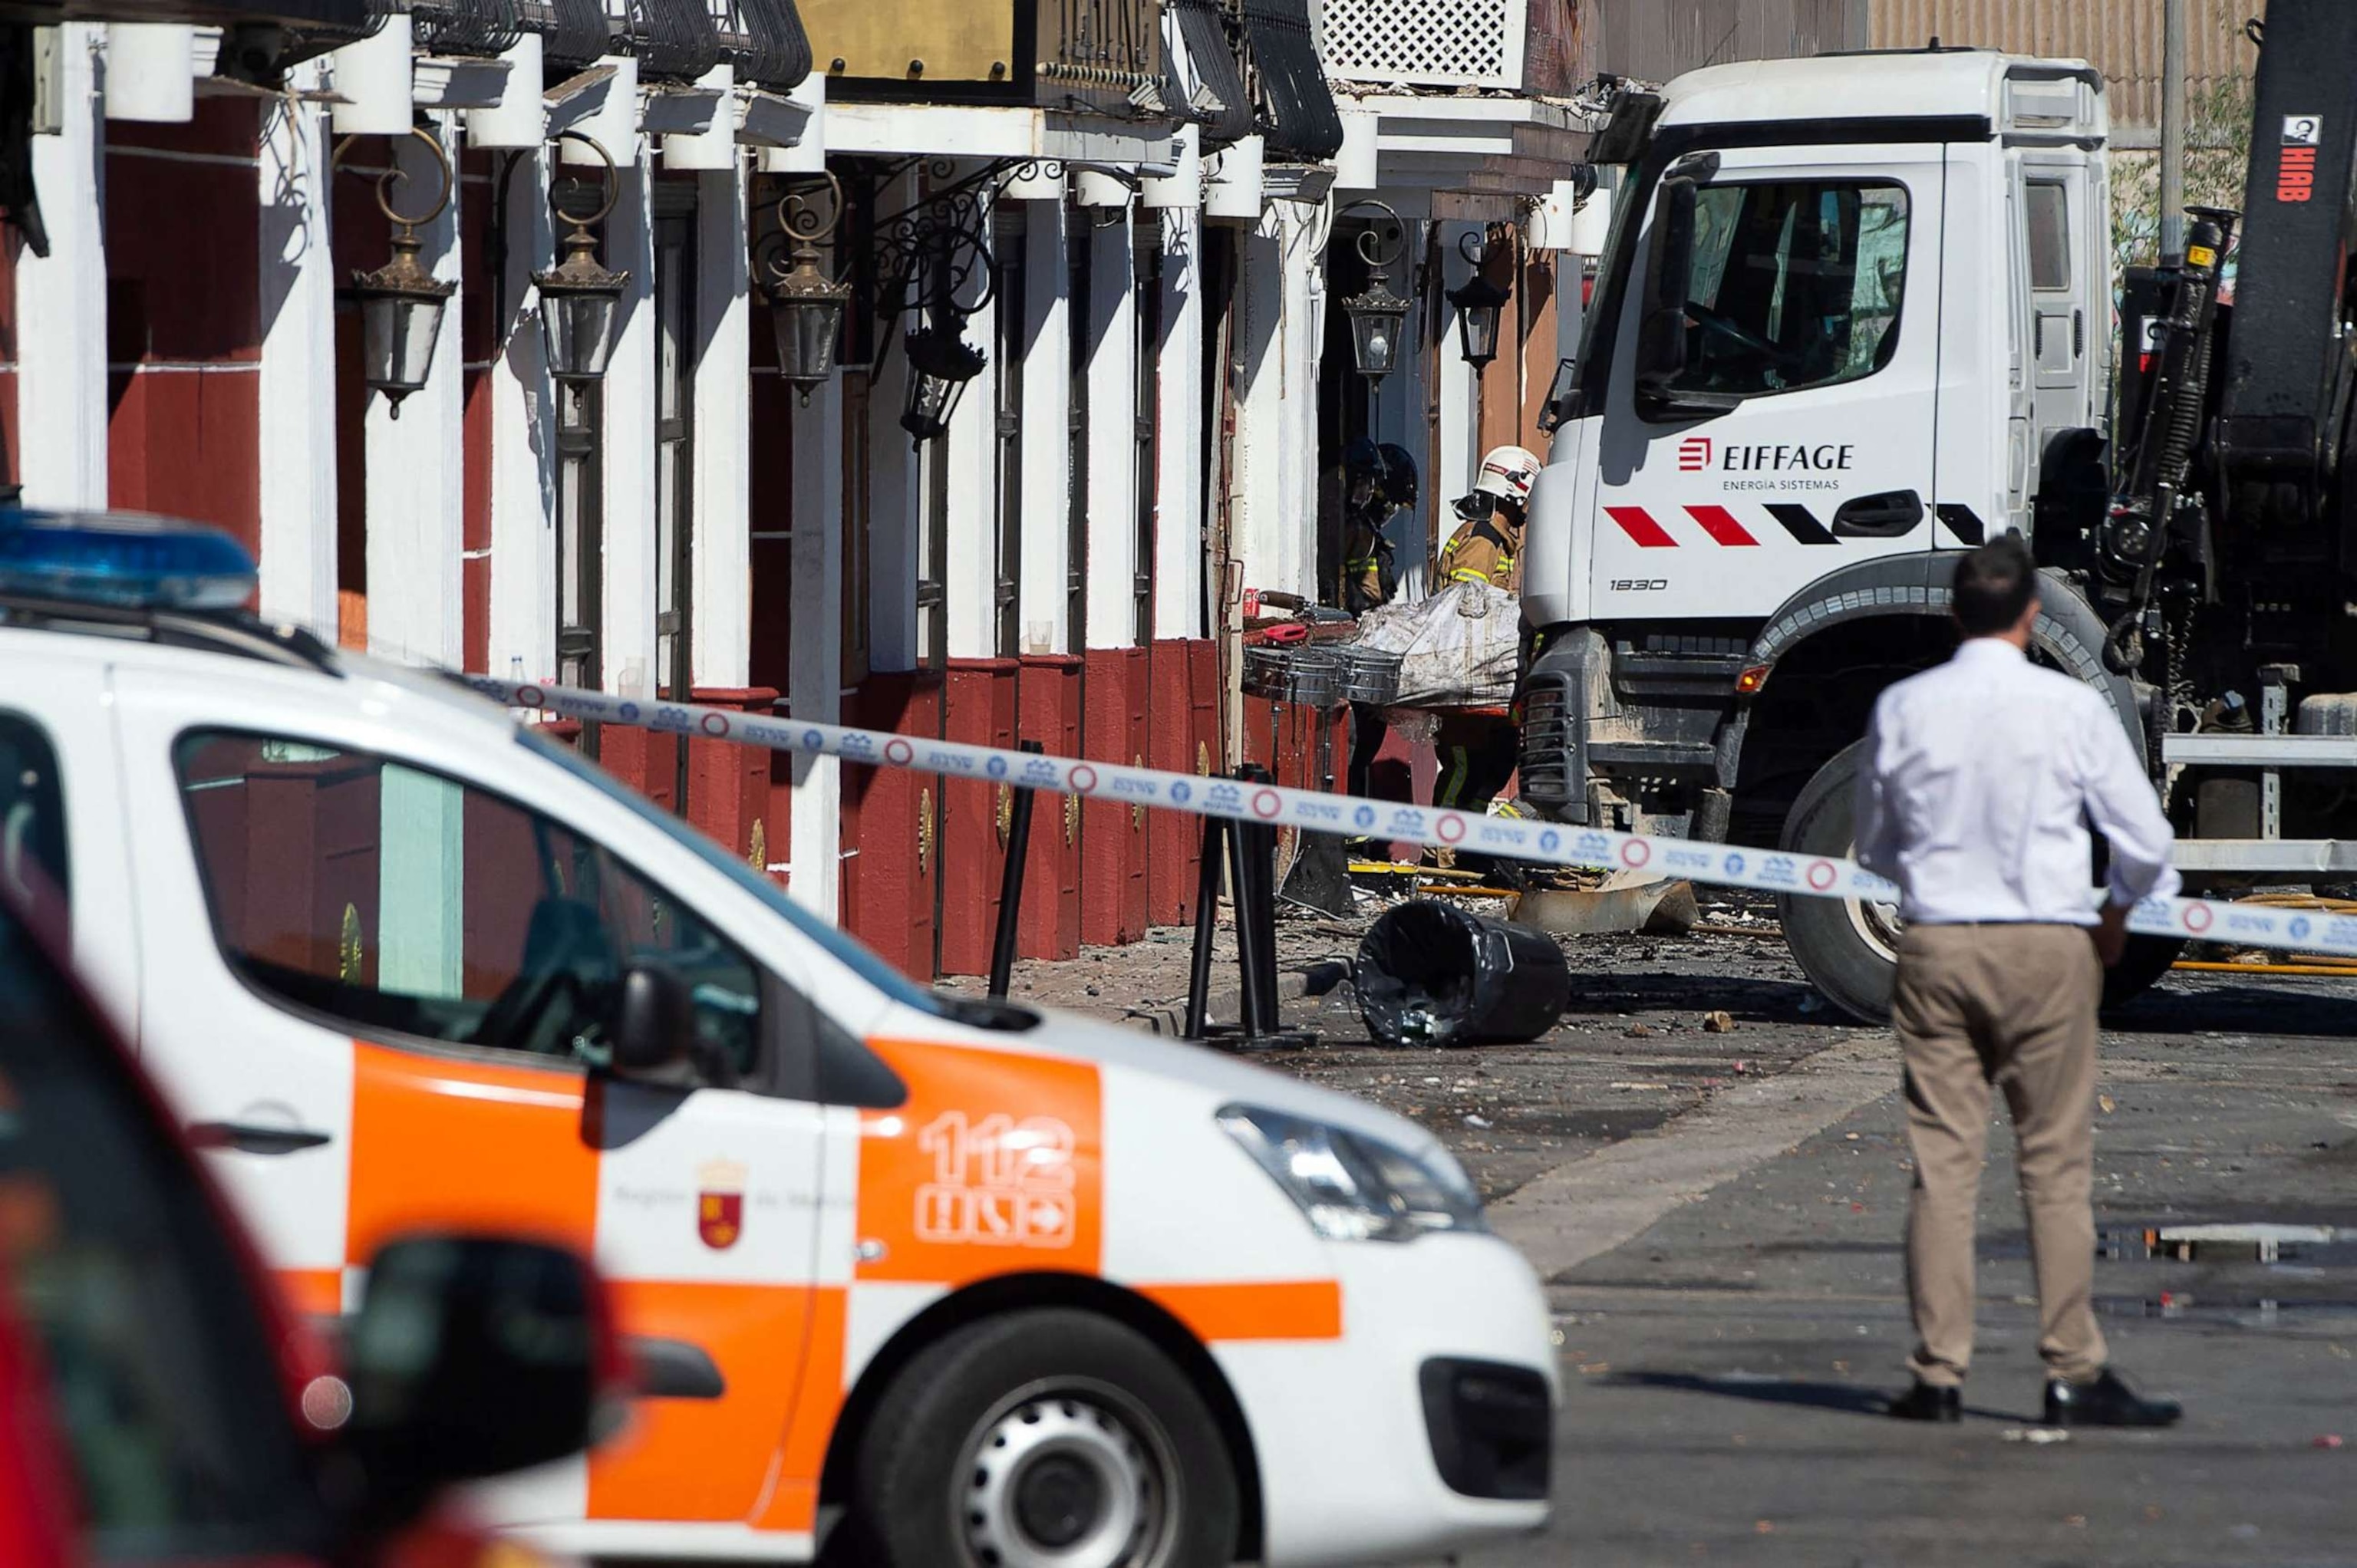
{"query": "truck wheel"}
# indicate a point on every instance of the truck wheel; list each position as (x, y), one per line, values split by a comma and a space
(2140, 969)
(1043, 1439)
(1848, 947)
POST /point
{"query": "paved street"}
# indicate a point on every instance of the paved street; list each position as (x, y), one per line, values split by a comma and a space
(1718, 1215)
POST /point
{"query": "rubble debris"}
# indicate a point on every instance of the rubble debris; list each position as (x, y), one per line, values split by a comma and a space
(1718, 1023)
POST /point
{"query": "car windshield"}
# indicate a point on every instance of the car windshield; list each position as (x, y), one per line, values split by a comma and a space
(845, 951)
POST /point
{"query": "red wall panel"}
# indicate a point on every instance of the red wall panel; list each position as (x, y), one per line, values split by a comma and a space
(889, 817)
(1049, 712)
(980, 701)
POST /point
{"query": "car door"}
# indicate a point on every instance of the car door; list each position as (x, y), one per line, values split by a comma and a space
(399, 978)
(1797, 436)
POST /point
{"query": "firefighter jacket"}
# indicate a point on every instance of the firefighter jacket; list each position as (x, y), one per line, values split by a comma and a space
(1483, 550)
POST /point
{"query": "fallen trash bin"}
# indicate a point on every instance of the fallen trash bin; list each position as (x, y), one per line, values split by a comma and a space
(1430, 973)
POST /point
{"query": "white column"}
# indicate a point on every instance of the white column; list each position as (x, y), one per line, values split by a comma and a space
(1403, 405)
(1042, 601)
(416, 463)
(1302, 230)
(1111, 391)
(628, 634)
(524, 444)
(1179, 546)
(1460, 403)
(723, 488)
(1261, 529)
(896, 489)
(970, 450)
(297, 446)
(815, 683)
(61, 400)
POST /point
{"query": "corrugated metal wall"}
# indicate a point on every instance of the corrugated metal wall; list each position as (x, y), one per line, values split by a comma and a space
(1656, 39)
(2120, 37)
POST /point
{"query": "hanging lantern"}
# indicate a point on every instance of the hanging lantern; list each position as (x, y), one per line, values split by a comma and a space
(1479, 302)
(578, 297)
(1378, 317)
(939, 365)
(401, 302)
(805, 309)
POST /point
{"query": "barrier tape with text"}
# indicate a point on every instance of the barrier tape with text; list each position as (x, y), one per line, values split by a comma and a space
(1517, 838)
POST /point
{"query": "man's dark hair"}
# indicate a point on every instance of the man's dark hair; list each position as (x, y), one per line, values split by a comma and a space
(1994, 584)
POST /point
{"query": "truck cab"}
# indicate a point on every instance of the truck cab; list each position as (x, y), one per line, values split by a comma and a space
(1826, 354)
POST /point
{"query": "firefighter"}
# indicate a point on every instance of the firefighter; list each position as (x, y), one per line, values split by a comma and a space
(1379, 483)
(1477, 749)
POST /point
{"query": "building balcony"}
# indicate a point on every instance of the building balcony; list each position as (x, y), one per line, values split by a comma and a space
(1089, 57)
(1500, 46)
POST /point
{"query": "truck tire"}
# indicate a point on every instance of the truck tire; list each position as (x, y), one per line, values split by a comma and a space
(1848, 947)
(1047, 1436)
(2140, 969)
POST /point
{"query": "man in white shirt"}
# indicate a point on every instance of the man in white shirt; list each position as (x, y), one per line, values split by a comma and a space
(1981, 777)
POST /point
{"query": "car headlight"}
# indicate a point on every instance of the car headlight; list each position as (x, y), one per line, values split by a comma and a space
(1353, 1187)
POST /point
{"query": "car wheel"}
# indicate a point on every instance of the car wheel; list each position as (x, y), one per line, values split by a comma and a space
(1847, 947)
(1043, 1439)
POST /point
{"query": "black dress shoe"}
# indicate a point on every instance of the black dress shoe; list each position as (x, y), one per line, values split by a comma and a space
(2106, 1401)
(1927, 1402)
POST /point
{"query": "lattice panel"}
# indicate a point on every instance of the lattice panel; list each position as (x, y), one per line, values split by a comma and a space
(1442, 43)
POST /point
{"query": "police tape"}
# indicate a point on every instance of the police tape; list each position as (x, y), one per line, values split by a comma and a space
(1276, 805)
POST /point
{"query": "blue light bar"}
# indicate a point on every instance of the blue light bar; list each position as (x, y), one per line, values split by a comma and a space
(127, 560)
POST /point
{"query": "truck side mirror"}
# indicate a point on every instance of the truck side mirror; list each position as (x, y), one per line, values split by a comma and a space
(654, 1020)
(1562, 405)
(1662, 328)
(471, 1356)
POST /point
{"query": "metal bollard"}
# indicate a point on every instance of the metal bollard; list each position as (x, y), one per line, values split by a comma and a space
(1207, 917)
(1010, 885)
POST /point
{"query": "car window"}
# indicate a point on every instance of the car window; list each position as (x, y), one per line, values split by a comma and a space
(32, 812)
(167, 1391)
(401, 901)
(1793, 284)
(835, 942)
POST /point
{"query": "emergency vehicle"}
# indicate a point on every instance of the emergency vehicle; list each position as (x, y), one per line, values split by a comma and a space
(950, 1282)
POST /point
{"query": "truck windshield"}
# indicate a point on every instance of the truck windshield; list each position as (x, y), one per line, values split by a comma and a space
(842, 948)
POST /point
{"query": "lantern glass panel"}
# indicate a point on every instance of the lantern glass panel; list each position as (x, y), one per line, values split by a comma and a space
(932, 399)
(579, 331)
(398, 334)
(1374, 337)
(1477, 330)
(807, 332)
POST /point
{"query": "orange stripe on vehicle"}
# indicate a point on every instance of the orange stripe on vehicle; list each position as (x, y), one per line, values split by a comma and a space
(792, 1502)
(439, 1143)
(313, 1293)
(1278, 1309)
(696, 1459)
(993, 1166)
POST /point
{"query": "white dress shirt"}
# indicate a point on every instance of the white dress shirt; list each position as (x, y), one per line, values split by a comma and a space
(1981, 777)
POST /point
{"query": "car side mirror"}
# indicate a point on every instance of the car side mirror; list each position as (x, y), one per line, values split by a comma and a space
(654, 1020)
(1662, 328)
(471, 1357)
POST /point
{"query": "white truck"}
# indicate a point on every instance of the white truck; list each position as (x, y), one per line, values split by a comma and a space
(1856, 315)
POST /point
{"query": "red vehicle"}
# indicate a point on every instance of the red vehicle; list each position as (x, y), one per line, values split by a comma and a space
(158, 1404)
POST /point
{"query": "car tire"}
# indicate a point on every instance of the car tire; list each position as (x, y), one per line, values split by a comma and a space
(1043, 1436)
(1848, 947)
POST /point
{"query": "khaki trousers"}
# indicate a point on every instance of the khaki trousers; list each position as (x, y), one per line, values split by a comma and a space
(2013, 1006)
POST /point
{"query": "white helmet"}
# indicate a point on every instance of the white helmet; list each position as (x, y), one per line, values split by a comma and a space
(1507, 473)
